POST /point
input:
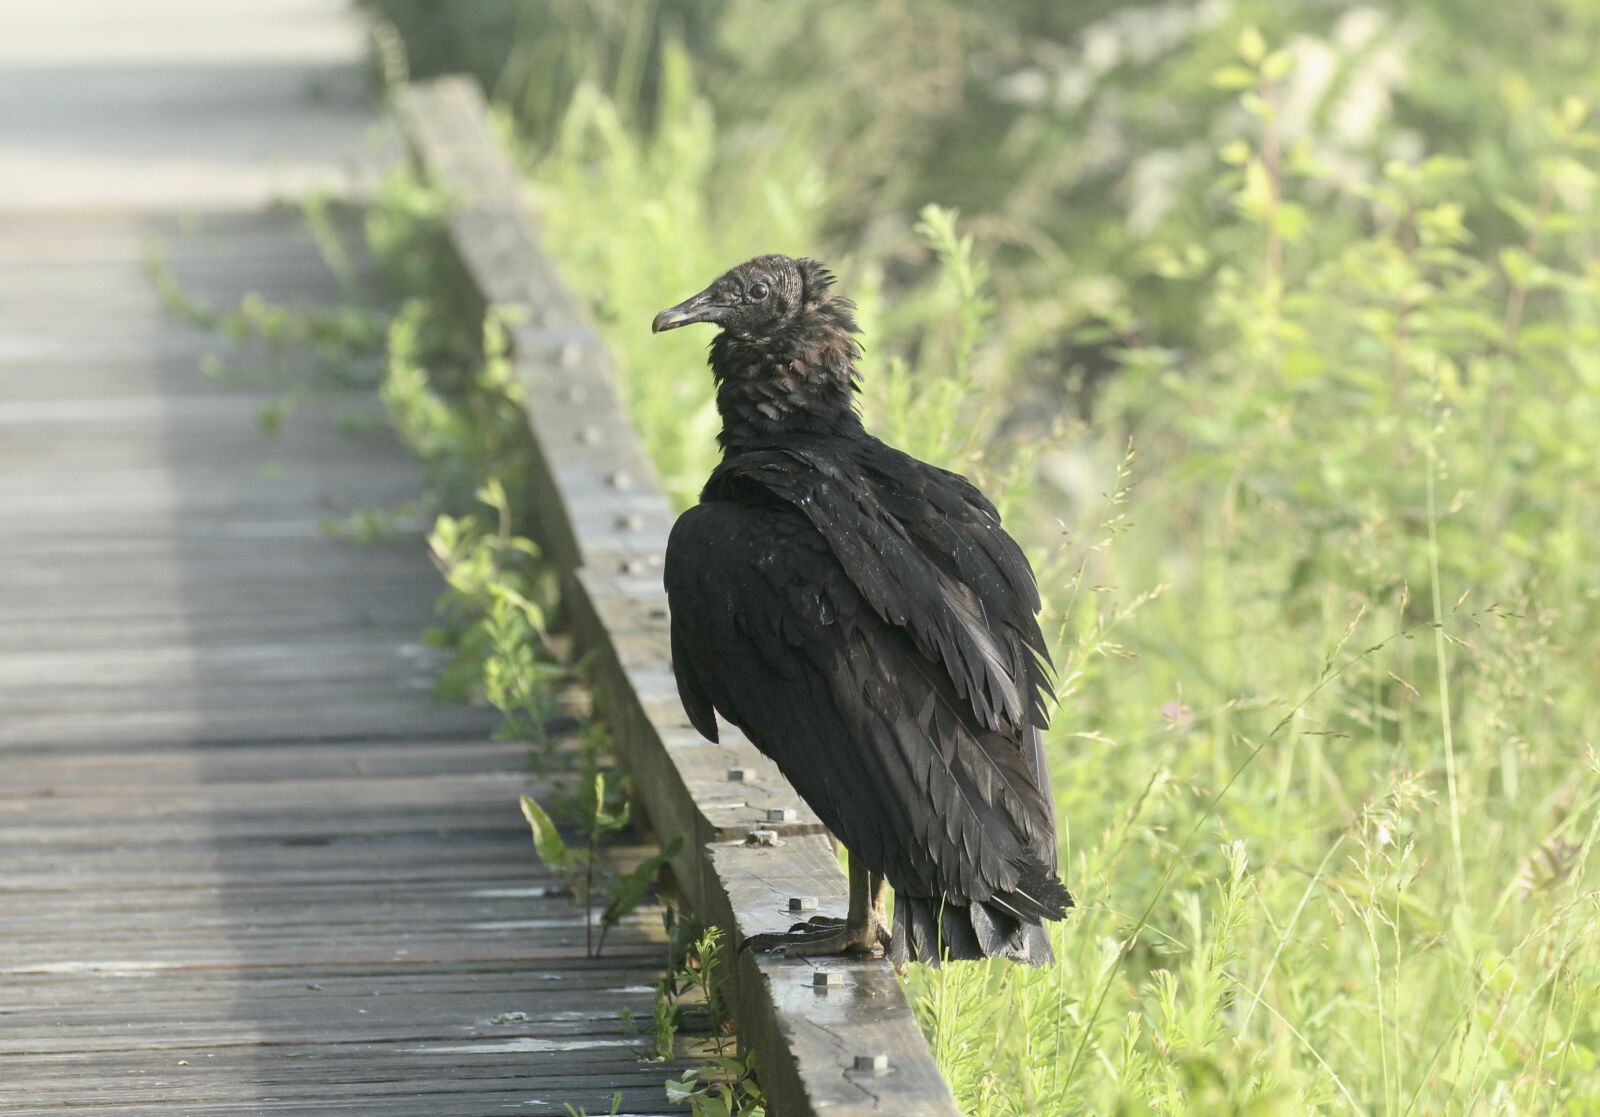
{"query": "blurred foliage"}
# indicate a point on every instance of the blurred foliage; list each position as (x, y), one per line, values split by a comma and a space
(1327, 644)
(1078, 136)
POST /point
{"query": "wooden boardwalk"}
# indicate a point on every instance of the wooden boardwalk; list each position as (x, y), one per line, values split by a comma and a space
(247, 864)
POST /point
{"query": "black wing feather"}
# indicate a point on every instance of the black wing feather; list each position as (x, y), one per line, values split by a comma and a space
(928, 553)
(855, 701)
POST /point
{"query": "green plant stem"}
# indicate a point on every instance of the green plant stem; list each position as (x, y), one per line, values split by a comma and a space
(1443, 667)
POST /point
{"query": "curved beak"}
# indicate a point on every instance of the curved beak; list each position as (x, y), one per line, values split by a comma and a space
(703, 307)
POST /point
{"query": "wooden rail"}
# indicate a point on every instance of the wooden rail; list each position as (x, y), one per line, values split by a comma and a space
(831, 1036)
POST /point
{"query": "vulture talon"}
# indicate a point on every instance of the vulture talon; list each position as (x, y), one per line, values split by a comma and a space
(817, 927)
(820, 941)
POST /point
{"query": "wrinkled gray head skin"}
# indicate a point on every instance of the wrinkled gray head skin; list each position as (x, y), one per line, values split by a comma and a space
(784, 360)
(758, 298)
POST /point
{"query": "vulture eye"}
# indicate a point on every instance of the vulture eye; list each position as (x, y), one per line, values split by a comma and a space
(758, 291)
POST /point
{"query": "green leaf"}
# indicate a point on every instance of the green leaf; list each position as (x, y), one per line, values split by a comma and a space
(270, 415)
(1235, 154)
(632, 887)
(1256, 193)
(1277, 65)
(1438, 168)
(1232, 77)
(1252, 47)
(1571, 173)
(547, 842)
(1292, 220)
(1574, 111)
(492, 493)
(1518, 265)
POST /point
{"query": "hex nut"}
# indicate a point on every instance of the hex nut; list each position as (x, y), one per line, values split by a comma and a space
(876, 1063)
(780, 814)
(741, 775)
(762, 838)
(828, 979)
(802, 903)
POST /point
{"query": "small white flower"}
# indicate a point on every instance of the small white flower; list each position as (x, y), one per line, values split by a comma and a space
(1238, 859)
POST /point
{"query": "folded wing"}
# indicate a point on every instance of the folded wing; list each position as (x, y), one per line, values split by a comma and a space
(933, 775)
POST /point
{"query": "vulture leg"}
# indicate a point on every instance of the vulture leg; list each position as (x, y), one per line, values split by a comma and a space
(863, 929)
(880, 912)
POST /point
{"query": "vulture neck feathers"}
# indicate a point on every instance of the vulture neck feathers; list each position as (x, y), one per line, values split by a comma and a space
(796, 377)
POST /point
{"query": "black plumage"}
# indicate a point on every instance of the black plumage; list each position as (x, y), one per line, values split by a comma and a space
(867, 622)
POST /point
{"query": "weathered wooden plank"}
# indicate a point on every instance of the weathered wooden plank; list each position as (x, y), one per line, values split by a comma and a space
(350, 806)
(307, 441)
(311, 1089)
(551, 1097)
(112, 622)
(219, 232)
(79, 470)
(291, 480)
(135, 373)
(246, 726)
(92, 1023)
(383, 1020)
(636, 1101)
(352, 653)
(600, 516)
(157, 588)
(489, 997)
(96, 418)
(127, 298)
(216, 701)
(427, 910)
(202, 685)
(531, 940)
(88, 772)
(42, 348)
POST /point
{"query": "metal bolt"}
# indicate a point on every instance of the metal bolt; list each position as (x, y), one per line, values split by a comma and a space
(658, 613)
(620, 480)
(827, 979)
(802, 903)
(591, 435)
(571, 354)
(631, 522)
(741, 775)
(876, 1063)
(635, 566)
(780, 814)
(762, 838)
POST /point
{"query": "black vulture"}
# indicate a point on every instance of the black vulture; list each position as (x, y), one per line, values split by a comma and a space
(866, 621)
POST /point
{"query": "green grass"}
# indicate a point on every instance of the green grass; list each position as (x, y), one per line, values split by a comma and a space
(1324, 753)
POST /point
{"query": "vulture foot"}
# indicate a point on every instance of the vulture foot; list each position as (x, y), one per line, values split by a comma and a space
(823, 936)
